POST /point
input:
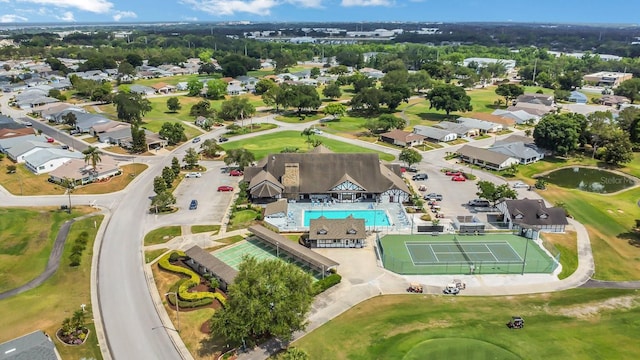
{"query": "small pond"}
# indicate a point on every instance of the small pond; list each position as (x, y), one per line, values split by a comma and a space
(591, 180)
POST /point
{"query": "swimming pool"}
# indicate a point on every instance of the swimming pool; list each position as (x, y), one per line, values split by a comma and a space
(371, 217)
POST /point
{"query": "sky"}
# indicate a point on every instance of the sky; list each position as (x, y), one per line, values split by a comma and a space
(541, 11)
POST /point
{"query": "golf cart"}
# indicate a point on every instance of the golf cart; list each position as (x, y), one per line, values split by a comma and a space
(415, 288)
(516, 323)
(451, 289)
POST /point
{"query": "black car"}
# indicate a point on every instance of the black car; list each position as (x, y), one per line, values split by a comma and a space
(420, 176)
(411, 169)
(222, 139)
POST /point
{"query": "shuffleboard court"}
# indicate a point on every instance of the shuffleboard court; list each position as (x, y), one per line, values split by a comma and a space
(456, 254)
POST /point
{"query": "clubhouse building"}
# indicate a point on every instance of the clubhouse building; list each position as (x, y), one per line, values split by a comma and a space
(325, 176)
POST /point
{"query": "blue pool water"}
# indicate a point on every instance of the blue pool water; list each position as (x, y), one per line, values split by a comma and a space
(371, 217)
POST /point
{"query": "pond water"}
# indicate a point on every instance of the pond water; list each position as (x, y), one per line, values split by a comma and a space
(591, 180)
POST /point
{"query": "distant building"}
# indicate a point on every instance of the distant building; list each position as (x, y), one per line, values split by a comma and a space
(483, 62)
(607, 78)
(528, 215)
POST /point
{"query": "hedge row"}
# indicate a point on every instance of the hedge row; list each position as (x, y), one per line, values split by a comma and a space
(323, 284)
(166, 265)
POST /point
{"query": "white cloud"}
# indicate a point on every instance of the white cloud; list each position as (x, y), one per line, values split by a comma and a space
(94, 6)
(124, 14)
(66, 16)
(10, 18)
(350, 3)
(257, 7)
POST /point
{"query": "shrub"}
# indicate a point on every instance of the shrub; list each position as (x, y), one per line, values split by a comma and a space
(323, 284)
(469, 176)
(74, 259)
(425, 217)
(174, 256)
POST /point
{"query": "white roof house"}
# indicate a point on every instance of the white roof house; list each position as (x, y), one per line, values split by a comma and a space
(483, 126)
(433, 133)
(46, 160)
(508, 64)
(16, 147)
(520, 116)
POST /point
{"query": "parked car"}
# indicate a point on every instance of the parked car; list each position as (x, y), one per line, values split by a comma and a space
(28, 123)
(458, 178)
(453, 173)
(235, 173)
(50, 140)
(479, 203)
(225, 188)
(193, 205)
(74, 132)
(193, 175)
(520, 185)
(433, 196)
(222, 139)
(421, 176)
(196, 140)
(317, 131)
(64, 147)
(409, 169)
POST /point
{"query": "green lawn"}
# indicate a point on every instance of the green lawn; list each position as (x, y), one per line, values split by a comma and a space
(607, 217)
(293, 118)
(162, 235)
(44, 307)
(151, 255)
(242, 219)
(266, 144)
(565, 325)
(26, 240)
(482, 100)
(196, 229)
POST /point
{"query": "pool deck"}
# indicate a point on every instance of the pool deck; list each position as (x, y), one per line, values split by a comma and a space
(398, 217)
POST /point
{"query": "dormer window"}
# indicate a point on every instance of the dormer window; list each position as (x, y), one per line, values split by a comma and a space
(519, 216)
(352, 231)
(323, 231)
(543, 215)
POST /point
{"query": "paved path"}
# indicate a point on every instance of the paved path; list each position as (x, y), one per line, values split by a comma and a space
(52, 264)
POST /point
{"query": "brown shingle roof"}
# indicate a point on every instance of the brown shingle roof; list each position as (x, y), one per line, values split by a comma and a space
(307, 255)
(10, 133)
(280, 206)
(493, 118)
(212, 263)
(403, 136)
(326, 229)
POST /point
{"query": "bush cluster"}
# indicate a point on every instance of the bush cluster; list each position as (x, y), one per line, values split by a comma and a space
(79, 245)
(323, 284)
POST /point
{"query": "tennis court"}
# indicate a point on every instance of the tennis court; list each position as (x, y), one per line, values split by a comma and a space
(465, 254)
(234, 255)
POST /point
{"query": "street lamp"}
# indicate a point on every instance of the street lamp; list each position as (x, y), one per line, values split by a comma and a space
(177, 308)
(277, 249)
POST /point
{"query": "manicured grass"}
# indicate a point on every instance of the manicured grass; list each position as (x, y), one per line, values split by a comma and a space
(24, 182)
(171, 80)
(162, 235)
(266, 144)
(242, 219)
(44, 307)
(253, 127)
(350, 127)
(567, 244)
(458, 348)
(226, 242)
(26, 239)
(565, 325)
(482, 100)
(151, 255)
(116, 183)
(293, 118)
(196, 229)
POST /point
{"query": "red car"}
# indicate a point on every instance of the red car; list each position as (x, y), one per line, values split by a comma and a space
(235, 173)
(225, 188)
(458, 178)
(453, 173)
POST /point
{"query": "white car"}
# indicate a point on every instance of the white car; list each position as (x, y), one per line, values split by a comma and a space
(520, 185)
(193, 175)
(316, 131)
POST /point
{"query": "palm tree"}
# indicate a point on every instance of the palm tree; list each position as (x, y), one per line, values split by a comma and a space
(92, 155)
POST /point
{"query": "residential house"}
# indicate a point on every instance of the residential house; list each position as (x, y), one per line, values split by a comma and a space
(122, 137)
(519, 116)
(336, 233)
(486, 158)
(526, 153)
(586, 110)
(34, 346)
(322, 174)
(16, 148)
(182, 86)
(613, 100)
(142, 90)
(310, 82)
(108, 127)
(578, 97)
(303, 74)
(286, 77)
(402, 138)
(206, 264)
(86, 121)
(46, 160)
(483, 126)
(55, 112)
(483, 62)
(82, 173)
(506, 122)
(607, 78)
(435, 134)
(163, 88)
(372, 73)
(201, 121)
(32, 98)
(462, 131)
(534, 98)
(248, 82)
(8, 123)
(532, 216)
(533, 109)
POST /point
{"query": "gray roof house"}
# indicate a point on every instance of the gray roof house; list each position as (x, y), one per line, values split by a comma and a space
(530, 215)
(483, 126)
(34, 346)
(45, 160)
(333, 233)
(535, 109)
(206, 264)
(24, 148)
(142, 90)
(520, 116)
(526, 153)
(86, 121)
(434, 133)
(8, 123)
(461, 130)
(486, 158)
(533, 98)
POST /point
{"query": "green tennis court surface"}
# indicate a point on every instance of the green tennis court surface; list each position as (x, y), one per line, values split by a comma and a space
(465, 254)
(233, 256)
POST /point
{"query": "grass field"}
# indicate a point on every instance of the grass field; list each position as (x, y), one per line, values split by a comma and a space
(264, 145)
(565, 325)
(567, 244)
(195, 229)
(44, 307)
(162, 235)
(116, 183)
(242, 219)
(152, 255)
(26, 234)
(607, 218)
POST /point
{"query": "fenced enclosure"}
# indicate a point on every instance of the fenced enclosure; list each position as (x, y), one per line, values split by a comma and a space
(466, 254)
